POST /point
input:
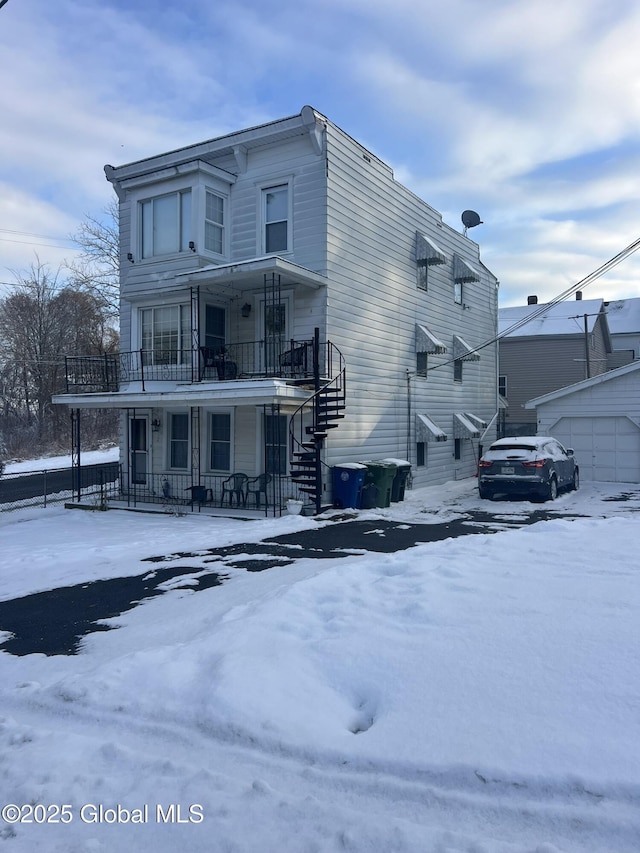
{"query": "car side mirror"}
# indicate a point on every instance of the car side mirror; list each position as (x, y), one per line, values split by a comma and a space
(570, 451)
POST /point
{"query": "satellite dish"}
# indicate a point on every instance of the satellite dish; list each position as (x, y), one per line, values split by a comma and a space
(470, 219)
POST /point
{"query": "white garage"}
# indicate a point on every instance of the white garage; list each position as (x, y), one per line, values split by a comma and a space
(600, 419)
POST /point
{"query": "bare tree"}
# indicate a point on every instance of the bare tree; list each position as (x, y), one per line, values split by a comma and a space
(40, 323)
(97, 270)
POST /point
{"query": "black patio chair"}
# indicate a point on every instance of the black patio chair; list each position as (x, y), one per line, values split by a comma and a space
(235, 485)
(294, 360)
(257, 486)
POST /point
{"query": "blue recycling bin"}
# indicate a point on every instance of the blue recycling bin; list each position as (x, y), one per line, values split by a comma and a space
(348, 480)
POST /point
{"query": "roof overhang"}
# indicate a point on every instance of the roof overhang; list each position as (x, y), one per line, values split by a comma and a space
(247, 275)
(426, 341)
(427, 430)
(251, 392)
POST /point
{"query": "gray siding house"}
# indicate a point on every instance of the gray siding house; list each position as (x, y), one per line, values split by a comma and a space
(600, 419)
(288, 306)
(546, 347)
(623, 317)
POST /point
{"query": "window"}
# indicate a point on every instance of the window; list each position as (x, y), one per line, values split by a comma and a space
(423, 277)
(138, 450)
(275, 202)
(179, 441)
(457, 292)
(275, 444)
(214, 223)
(502, 385)
(421, 454)
(457, 448)
(166, 224)
(421, 364)
(457, 370)
(220, 442)
(165, 334)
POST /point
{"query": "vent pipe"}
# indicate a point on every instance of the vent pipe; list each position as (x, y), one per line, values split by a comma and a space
(532, 300)
(578, 296)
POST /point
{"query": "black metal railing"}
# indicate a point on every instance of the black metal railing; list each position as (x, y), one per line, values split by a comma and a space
(290, 359)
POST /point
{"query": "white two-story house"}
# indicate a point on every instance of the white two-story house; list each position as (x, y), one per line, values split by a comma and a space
(287, 306)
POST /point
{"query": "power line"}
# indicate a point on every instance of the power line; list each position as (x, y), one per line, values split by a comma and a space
(542, 309)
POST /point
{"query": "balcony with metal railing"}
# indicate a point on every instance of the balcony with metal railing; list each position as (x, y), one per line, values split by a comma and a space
(290, 359)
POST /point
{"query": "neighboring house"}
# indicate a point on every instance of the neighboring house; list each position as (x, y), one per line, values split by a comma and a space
(599, 419)
(623, 317)
(287, 306)
(561, 344)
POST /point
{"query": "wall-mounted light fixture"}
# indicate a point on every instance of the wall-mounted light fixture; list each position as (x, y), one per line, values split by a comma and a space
(192, 245)
(246, 309)
(155, 425)
(130, 257)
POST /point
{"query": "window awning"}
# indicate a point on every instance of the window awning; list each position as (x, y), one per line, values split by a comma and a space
(462, 351)
(463, 272)
(428, 252)
(427, 342)
(426, 430)
(465, 427)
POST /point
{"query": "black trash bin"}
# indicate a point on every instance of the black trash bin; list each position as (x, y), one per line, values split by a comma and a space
(381, 474)
(348, 480)
(403, 470)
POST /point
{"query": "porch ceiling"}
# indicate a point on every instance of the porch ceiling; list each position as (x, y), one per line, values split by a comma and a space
(249, 275)
(253, 392)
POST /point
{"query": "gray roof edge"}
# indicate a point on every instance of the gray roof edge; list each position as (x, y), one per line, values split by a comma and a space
(585, 383)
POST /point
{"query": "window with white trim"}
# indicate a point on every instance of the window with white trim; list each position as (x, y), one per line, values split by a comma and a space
(165, 224)
(275, 443)
(179, 440)
(275, 217)
(220, 441)
(214, 223)
(502, 385)
(165, 334)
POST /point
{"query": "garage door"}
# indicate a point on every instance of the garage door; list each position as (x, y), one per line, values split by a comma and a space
(606, 448)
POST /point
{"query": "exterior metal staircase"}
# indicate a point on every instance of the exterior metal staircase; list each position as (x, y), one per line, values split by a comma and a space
(312, 422)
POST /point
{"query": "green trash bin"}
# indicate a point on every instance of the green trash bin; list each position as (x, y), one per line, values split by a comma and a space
(381, 475)
(403, 469)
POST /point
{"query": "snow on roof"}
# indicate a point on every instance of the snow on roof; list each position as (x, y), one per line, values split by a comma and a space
(563, 318)
(623, 316)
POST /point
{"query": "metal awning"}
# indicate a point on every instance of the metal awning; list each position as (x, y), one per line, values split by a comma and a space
(247, 275)
(427, 342)
(467, 425)
(427, 430)
(462, 351)
(463, 272)
(428, 252)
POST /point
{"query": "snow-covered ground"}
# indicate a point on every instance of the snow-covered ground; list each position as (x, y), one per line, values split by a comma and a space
(473, 695)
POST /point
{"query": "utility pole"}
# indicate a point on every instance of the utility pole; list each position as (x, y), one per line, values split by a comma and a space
(586, 348)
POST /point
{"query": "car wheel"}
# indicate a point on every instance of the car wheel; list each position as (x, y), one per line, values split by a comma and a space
(575, 483)
(485, 493)
(552, 489)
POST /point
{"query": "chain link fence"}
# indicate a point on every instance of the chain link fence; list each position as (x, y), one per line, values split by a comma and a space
(97, 483)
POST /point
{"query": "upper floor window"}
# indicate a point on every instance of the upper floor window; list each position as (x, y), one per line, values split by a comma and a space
(165, 334)
(214, 223)
(502, 385)
(275, 212)
(166, 224)
(457, 370)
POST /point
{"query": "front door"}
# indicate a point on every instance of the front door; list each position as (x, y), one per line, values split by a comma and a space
(138, 450)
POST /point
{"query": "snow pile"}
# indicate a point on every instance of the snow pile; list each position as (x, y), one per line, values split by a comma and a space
(477, 694)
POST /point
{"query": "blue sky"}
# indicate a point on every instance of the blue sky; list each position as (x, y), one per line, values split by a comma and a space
(527, 112)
